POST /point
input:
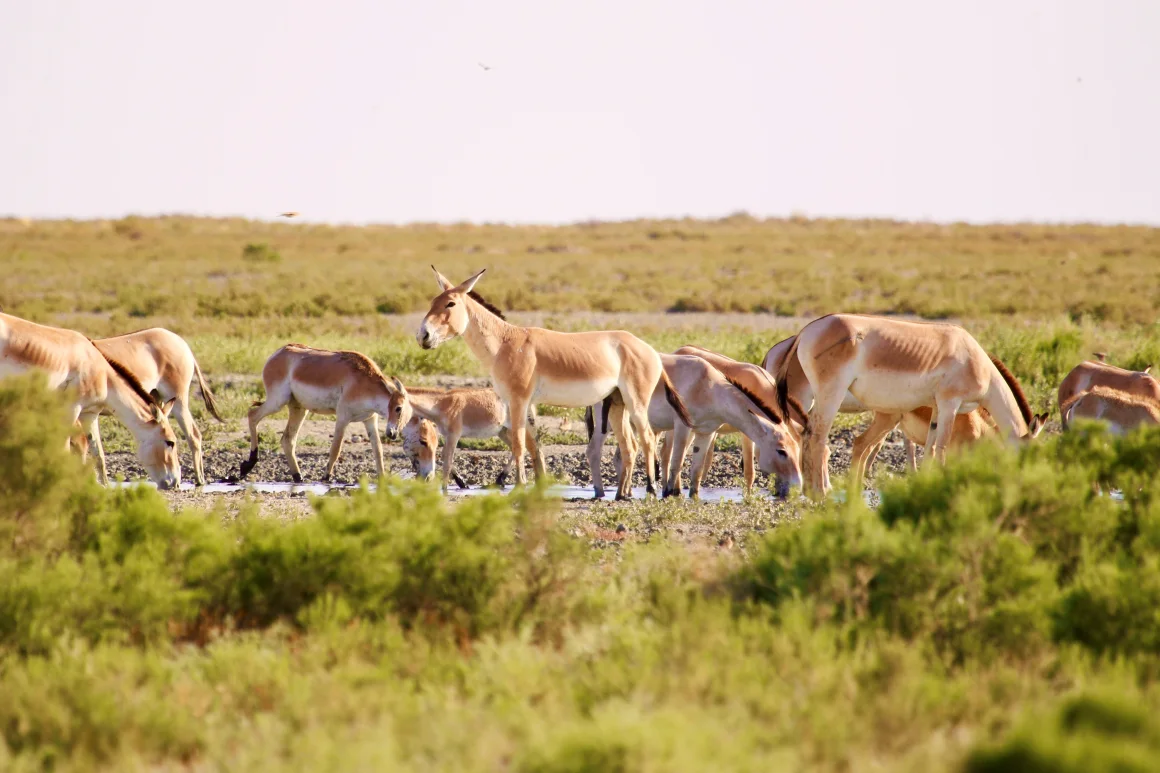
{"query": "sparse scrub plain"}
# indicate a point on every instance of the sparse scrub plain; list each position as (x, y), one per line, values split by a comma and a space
(995, 615)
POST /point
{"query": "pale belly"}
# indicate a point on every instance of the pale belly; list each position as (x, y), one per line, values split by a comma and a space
(572, 394)
(889, 393)
(317, 399)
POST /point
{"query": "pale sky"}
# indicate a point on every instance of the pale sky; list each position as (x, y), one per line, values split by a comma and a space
(381, 112)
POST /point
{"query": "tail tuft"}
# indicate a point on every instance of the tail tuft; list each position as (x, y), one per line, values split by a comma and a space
(206, 394)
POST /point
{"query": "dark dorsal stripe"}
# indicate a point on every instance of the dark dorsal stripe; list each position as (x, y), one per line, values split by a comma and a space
(770, 413)
(473, 295)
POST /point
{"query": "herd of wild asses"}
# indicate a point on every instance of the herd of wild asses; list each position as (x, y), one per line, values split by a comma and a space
(908, 374)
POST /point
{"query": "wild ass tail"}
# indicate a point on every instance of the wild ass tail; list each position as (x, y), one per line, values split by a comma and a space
(783, 378)
(206, 395)
(675, 400)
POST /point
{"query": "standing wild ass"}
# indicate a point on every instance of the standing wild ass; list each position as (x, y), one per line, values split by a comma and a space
(472, 412)
(346, 385)
(893, 366)
(71, 361)
(161, 360)
(531, 365)
(1089, 374)
(714, 402)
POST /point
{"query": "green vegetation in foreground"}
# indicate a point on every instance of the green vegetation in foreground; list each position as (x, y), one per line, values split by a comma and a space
(997, 615)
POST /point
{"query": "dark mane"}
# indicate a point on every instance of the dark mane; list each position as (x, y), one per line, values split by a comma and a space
(127, 376)
(1016, 390)
(473, 295)
(770, 413)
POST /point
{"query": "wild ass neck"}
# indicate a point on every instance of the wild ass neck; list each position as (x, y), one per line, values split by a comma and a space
(485, 333)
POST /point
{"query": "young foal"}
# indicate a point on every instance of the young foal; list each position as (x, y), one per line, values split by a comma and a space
(347, 385)
(160, 360)
(893, 366)
(714, 402)
(473, 412)
(531, 365)
(71, 361)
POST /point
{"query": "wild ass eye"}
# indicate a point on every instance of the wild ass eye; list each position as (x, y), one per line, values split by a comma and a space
(423, 443)
(399, 409)
(170, 444)
(781, 452)
(449, 304)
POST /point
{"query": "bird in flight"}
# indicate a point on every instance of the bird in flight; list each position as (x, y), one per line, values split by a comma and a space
(484, 66)
(288, 214)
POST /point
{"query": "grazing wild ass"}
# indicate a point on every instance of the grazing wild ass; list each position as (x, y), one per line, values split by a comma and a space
(714, 402)
(71, 361)
(420, 439)
(1122, 411)
(893, 366)
(346, 385)
(472, 412)
(968, 428)
(161, 360)
(1092, 374)
(531, 365)
(758, 382)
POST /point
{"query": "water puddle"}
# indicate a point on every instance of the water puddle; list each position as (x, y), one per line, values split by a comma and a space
(561, 492)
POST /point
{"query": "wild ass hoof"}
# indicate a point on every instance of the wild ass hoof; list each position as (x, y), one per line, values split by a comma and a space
(623, 497)
(296, 477)
(248, 465)
(501, 479)
(459, 481)
(668, 492)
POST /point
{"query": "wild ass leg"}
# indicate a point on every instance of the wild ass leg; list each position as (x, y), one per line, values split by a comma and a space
(702, 442)
(816, 449)
(911, 456)
(518, 411)
(538, 465)
(665, 462)
(948, 407)
(621, 426)
(192, 436)
(372, 428)
(868, 443)
(272, 404)
(91, 426)
(449, 444)
(290, 439)
(747, 467)
(682, 438)
(340, 423)
(594, 417)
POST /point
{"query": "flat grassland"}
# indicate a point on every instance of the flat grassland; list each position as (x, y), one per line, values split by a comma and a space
(998, 615)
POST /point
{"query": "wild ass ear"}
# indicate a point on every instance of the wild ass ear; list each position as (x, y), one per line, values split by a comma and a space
(1147, 369)
(167, 407)
(469, 284)
(156, 397)
(399, 386)
(799, 413)
(444, 282)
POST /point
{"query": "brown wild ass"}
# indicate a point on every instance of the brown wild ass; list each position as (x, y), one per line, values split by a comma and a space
(759, 382)
(161, 360)
(472, 412)
(346, 385)
(894, 366)
(1122, 411)
(968, 427)
(714, 401)
(71, 361)
(531, 365)
(420, 439)
(1092, 374)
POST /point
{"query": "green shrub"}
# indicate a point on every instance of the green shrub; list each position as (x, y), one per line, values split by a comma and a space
(260, 252)
(1088, 734)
